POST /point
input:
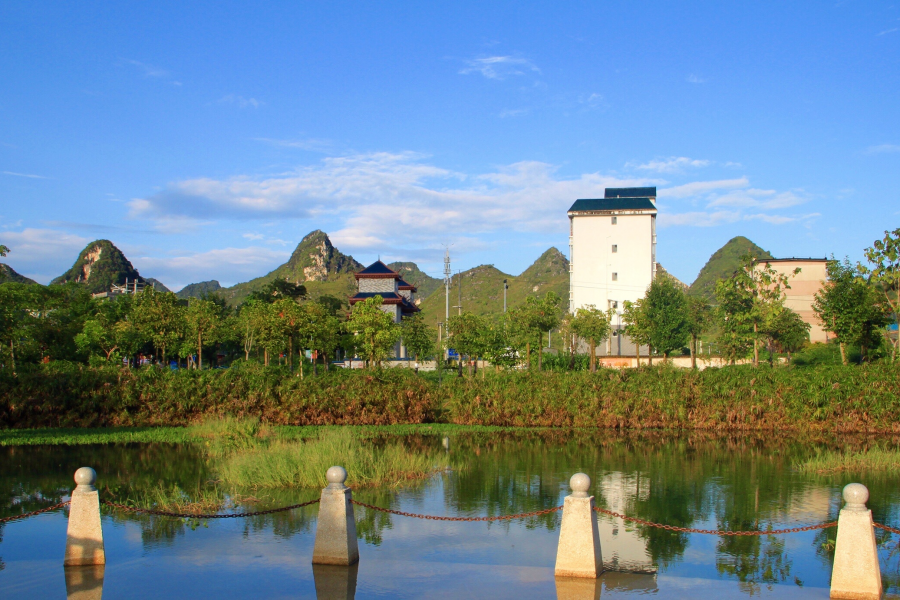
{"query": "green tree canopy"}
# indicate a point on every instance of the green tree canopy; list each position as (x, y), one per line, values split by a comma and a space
(884, 273)
(375, 329)
(591, 325)
(665, 308)
(418, 337)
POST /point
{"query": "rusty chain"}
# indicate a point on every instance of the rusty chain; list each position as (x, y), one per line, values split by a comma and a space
(164, 513)
(536, 513)
(886, 528)
(34, 512)
(713, 531)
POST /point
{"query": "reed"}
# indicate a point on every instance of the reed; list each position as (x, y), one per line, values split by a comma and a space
(861, 461)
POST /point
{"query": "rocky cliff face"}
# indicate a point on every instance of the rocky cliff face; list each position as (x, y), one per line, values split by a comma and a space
(100, 266)
(315, 259)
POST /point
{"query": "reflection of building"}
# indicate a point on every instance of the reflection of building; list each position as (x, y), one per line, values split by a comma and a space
(623, 547)
(399, 296)
(612, 254)
(804, 286)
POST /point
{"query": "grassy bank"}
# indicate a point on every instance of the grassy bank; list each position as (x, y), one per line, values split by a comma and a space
(885, 460)
(816, 399)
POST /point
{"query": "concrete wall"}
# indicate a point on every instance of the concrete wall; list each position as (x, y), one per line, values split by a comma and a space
(804, 286)
(593, 261)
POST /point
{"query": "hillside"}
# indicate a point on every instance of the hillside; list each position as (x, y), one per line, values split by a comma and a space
(9, 275)
(316, 263)
(99, 266)
(196, 290)
(156, 284)
(412, 274)
(724, 261)
(482, 287)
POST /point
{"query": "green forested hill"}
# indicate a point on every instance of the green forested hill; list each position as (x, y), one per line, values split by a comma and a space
(412, 274)
(482, 287)
(9, 275)
(99, 266)
(316, 263)
(723, 263)
(196, 290)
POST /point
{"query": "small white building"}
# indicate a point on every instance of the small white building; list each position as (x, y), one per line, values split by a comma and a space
(399, 296)
(612, 254)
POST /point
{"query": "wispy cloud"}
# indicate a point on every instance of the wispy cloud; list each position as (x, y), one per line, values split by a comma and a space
(147, 70)
(253, 236)
(692, 78)
(42, 254)
(499, 67)
(28, 175)
(883, 149)
(513, 112)
(592, 101)
(887, 31)
(699, 218)
(311, 144)
(697, 188)
(240, 101)
(753, 198)
(227, 265)
(674, 164)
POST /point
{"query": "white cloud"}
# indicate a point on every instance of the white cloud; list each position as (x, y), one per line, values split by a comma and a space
(883, 149)
(28, 175)
(698, 218)
(592, 100)
(311, 144)
(887, 31)
(766, 199)
(148, 70)
(240, 101)
(499, 67)
(692, 78)
(227, 265)
(42, 254)
(253, 236)
(697, 188)
(510, 112)
(673, 164)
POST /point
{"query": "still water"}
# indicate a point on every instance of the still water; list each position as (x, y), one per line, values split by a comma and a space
(686, 479)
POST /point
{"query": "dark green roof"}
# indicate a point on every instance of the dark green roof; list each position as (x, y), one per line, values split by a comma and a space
(644, 192)
(612, 204)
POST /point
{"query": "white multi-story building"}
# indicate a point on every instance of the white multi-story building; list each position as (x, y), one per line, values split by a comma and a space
(612, 254)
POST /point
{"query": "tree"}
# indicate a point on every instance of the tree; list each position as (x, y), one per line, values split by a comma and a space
(467, 336)
(531, 319)
(418, 337)
(699, 319)
(849, 307)
(748, 302)
(791, 333)
(3, 250)
(205, 325)
(15, 317)
(884, 256)
(592, 325)
(96, 335)
(160, 316)
(274, 331)
(376, 330)
(637, 327)
(665, 307)
(278, 289)
(250, 322)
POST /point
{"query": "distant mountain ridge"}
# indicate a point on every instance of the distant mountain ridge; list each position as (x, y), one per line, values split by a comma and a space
(9, 275)
(722, 265)
(411, 273)
(197, 290)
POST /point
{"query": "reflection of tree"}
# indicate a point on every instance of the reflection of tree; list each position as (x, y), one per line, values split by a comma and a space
(753, 559)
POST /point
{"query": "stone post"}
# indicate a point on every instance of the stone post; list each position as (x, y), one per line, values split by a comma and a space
(856, 574)
(336, 527)
(84, 537)
(578, 554)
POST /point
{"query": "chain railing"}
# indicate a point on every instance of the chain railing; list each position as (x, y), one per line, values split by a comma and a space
(400, 513)
(34, 512)
(194, 515)
(713, 531)
(886, 528)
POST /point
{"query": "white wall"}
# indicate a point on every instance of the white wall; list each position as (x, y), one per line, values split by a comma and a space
(593, 262)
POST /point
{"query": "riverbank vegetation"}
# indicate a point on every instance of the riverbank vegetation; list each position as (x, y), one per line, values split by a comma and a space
(818, 398)
(871, 460)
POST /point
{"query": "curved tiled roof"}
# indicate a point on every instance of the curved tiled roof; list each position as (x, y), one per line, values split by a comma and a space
(378, 270)
(406, 286)
(609, 204)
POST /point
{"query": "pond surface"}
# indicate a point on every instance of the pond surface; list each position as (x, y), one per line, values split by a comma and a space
(689, 479)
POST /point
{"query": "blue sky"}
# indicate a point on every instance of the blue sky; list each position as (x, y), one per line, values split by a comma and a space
(205, 140)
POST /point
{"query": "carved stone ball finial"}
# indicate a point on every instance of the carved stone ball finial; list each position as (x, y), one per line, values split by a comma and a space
(580, 484)
(855, 495)
(336, 476)
(87, 477)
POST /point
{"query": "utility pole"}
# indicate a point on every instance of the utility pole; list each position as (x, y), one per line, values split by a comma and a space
(447, 294)
(505, 287)
(459, 291)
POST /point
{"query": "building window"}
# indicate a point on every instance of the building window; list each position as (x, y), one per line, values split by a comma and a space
(615, 303)
(615, 276)
(614, 220)
(615, 248)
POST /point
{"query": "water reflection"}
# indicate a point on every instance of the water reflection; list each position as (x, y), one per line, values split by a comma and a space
(334, 582)
(693, 479)
(84, 583)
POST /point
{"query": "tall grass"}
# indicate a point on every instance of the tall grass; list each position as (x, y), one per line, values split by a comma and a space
(304, 463)
(864, 461)
(825, 398)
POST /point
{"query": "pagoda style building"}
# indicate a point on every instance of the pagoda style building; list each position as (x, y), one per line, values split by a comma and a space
(399, 296)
